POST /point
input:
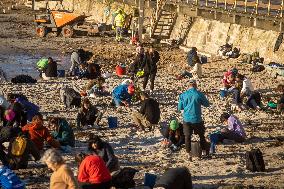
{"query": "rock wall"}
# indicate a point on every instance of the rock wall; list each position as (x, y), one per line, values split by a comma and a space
(208, 35)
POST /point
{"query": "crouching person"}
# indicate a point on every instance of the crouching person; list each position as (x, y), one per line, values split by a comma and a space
(122, 94)
(175, 178)
(88, 115)
(62, 176)
(38, 133)
(19, 151)
(234, 131)
(149, 112)
(105, 151)
(93, 173)
(62, 132)
(173, 135)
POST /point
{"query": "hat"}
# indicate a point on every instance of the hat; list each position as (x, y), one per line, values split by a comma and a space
(192, 81)
(174, 124)
(234, 71)
(131, 89)
(9, 115)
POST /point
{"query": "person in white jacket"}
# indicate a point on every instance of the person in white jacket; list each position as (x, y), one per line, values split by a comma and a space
(195, 72)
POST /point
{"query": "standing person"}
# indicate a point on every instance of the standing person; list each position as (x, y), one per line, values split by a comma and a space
(88, 115)
(119, 23)
(93, 173)
(149, 112)
(122, 94)
(151, 59)
(50, 70)
(105, 151)
(62, 176)
(190, 102)
(38, 133)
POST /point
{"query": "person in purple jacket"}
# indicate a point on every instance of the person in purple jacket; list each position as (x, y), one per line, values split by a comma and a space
(235, 131)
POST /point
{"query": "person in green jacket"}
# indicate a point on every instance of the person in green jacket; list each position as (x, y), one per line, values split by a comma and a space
(62, 131)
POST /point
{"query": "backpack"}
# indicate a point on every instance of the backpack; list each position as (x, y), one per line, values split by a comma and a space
(254, 161)
(257, 68)
(124, 178)
(71, 98)
(42, 63)
(18, 146)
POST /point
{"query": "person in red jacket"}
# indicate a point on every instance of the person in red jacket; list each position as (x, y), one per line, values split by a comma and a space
(38, 133)
(93, 173)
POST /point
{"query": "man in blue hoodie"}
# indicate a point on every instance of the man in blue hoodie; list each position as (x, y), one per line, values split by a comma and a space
(190, 102)
(122, 94)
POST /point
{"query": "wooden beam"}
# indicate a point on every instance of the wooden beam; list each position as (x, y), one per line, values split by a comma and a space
(141, 19)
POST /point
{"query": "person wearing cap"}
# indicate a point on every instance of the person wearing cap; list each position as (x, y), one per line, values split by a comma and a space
(149, 112)
(173, 135)
(190, 102)
(122, 94)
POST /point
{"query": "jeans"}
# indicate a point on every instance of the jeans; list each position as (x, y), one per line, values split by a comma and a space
(152, 80)
(118, 31)
(197, 128)
(82, 120)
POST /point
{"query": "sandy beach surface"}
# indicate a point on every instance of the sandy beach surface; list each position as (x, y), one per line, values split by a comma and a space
(142, 151)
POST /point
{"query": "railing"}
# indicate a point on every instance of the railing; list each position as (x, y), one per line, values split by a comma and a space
(270, 8)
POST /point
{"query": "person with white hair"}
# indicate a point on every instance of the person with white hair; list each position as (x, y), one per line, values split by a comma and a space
(62, 176)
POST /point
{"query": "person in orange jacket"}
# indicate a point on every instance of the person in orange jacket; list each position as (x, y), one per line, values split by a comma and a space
(38, 133)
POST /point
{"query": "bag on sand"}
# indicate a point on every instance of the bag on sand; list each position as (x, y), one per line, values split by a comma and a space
(124, 178)
(19, 146)
(254, 161)
(71, 98)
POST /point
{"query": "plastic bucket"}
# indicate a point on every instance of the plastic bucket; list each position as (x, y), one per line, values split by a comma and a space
(60, 73)
(150, 180)
(120, 70)
(112, 122)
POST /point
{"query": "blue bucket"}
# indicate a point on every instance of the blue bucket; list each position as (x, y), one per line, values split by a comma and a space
(112, 122)
(150, 180)
(223, 93)
(60, 73)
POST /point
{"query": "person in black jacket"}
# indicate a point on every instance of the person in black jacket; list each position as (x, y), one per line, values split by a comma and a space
(149, 112)
(151, 59)
(105, 151)
(51, 69)
(21, 161)
(137, 63)
(175, 178)
(88, 115)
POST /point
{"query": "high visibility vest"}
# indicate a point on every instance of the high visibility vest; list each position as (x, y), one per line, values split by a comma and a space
(119, 20)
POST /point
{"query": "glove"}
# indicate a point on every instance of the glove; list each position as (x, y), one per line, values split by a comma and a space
(113, 27)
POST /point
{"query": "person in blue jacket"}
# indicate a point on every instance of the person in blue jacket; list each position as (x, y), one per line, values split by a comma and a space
(9, 180)
(122, 94)
(190, 102)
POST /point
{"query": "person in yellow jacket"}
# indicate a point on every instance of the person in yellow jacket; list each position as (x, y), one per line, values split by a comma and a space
(119, 23)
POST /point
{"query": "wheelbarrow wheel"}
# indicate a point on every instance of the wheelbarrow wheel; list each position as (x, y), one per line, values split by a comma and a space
(67, 31)
(41, 31)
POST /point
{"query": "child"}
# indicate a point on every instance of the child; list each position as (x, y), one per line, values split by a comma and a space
(82, 72)
(95, 87)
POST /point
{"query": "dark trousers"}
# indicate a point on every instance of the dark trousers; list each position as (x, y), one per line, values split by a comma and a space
(3, 156)
(86, 185)
(196, 128)
(236, 96)
(152, 80)
(254, 100)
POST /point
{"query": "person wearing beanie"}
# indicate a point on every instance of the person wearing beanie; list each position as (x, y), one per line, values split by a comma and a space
(149, 112)
(173, 135)
(122, 94)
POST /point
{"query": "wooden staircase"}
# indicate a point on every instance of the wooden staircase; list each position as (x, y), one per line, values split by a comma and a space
(162, 22)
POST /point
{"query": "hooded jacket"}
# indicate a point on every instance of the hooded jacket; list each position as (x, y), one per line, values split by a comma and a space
(39, 134)
(121, 93)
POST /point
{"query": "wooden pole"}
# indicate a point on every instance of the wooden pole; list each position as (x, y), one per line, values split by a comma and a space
(256, 6)
(196, 1)
(225, 4)
(281, 9)
(33, 4)
(141, 19)
(246, 2)
(235, 4)
(206, 3)
(269, 6)
(216, 3)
